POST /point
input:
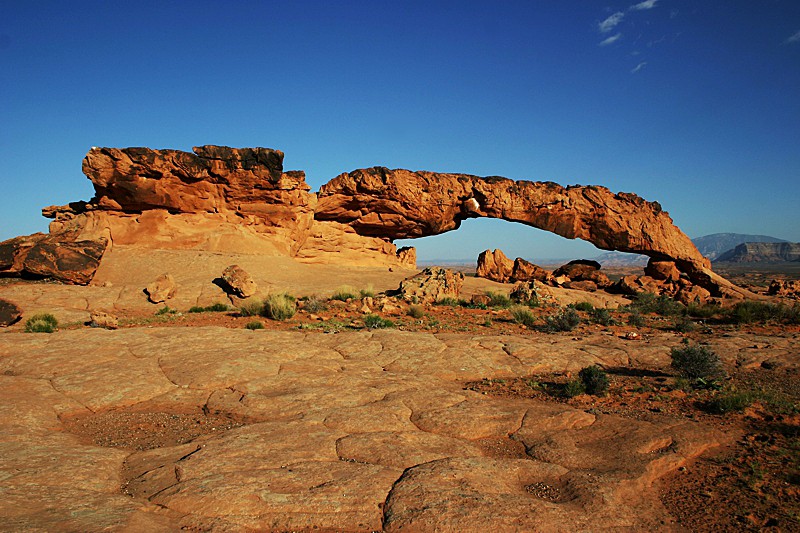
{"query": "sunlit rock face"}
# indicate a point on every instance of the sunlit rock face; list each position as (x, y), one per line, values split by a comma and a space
(219, 198)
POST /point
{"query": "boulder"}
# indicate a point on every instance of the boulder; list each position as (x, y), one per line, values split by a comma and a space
(526, 271)
(238, 282)
(577, 269)
(161, 289)
(432, 285)
(494, 265)
(101, 319)
(588, 286)
(9, 313)
(693, 294)
(662, 270)
(47, 256)
(524, 292)
(785, 288)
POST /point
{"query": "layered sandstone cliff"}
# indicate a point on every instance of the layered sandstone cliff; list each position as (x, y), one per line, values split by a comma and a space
(227, 199)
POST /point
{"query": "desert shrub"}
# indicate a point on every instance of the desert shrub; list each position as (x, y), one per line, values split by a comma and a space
(344, 293)
(696, 362)
(415, 311)
(251, 307)
(730, 401)
(314, 304)
(684, 325)
(498, 299)
(472, 305)
(635, 319)
(522, 315)
(452, 302)
(566, 320)
(582, 306)
(574, 388)
(603, 316)
(41, 323)
(377, 322)
(595, 380)
(487, 322)
(279, 306)
(255, 324)
(647, 302)
(703, 310)
(214, 308)
(367, 292)
(166, 310)
(749, 311)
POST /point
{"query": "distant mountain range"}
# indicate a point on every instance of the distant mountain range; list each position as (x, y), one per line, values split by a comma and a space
(713, 246)
(718, 247)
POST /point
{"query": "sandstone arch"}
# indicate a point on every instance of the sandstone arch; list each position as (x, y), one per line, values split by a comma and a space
(242, 198)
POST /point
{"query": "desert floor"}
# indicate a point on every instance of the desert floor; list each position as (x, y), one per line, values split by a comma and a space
(455, 419)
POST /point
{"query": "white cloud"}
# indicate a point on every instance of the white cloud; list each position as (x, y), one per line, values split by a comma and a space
(647, 4)
(614, 38)
(794, 38)
(638, 67)
(609, 24)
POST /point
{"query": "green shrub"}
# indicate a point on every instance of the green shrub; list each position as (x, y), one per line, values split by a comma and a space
(344, 293)
(452, 302)
(214, 308)
(41, 323)
(522, 315)
(251, 307)
(748, 312)
(703, 310)
(255, 324)
(566, 320)
(603, 316)
(635, 319)
(314, 304)
(647, 302)
(279, 306)
(594, 379)
(166, 310)
(582, 306)
(377, 322)
(488, 322)
(498, 299)
(574, 388)
(415, 311)
(368, 292)
(684, 325)
(696, 362)
(730, 401)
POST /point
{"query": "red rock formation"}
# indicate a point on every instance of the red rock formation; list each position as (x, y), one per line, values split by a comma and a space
(405, 204)
(220, 198)
(50, 256)
(494, 265)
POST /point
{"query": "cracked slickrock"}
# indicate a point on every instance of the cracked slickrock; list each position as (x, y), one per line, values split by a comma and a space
(357, 431)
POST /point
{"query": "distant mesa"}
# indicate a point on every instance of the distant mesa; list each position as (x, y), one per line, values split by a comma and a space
(762, 252)
(241, 200)
(716, 244)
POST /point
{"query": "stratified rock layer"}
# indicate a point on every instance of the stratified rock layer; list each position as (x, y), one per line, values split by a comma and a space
(227, 199)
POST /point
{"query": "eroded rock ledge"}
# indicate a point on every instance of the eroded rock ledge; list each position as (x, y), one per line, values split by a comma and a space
(221, 198)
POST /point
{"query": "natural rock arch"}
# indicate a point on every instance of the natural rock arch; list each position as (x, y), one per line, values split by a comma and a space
(149, 197)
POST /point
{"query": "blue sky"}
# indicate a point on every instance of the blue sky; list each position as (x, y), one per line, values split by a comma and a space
(692, 104)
